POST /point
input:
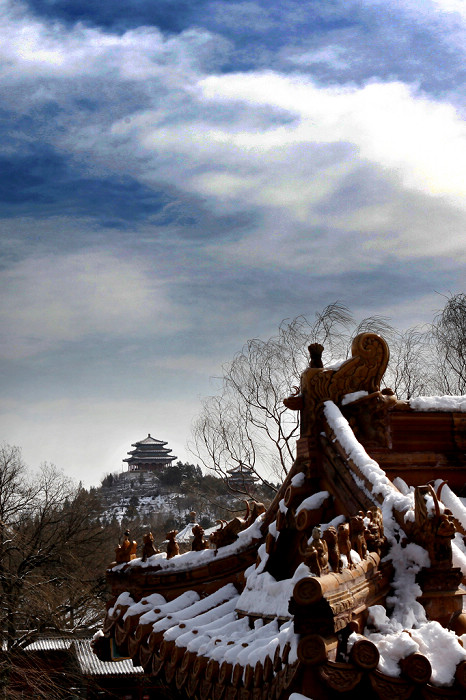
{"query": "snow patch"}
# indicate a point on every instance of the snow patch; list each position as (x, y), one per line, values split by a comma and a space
(313, 502)
(298, 479)
(264, 595)
(353, 396)
(439, 403)
(451, 501)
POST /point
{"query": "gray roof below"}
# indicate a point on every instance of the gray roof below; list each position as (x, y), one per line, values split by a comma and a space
(50, 644)
(90, 665)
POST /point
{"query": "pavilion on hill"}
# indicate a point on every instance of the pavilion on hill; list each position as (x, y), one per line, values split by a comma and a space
(149, 454)
(241, 478)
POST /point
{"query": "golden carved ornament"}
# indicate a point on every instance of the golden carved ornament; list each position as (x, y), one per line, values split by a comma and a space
(388, 687)
(417, 668)
(362, 372)
(364, 654)
(312, 649)
(340, 676)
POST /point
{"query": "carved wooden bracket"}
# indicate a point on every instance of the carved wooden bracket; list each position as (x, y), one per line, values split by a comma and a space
(362, 372)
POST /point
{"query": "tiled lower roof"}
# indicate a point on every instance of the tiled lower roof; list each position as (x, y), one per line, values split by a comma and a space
(50, 644)
(88, 662)
(90, 665)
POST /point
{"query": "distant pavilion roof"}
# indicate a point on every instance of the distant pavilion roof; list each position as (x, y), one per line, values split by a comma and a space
(241, 475)
(149, 453)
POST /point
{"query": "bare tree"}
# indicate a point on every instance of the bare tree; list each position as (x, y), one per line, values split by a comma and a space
(48, 564)
(412, 368)
(448, 339)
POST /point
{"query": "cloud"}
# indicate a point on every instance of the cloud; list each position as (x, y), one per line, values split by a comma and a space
(423, 308)
(421, 139)
(267, 169)
(455, 6)
(63, 298)
(133, 13)
(226, 138)
(42, 182)
(375, 168)
(251, 16)
(33, 49)
(410, 40)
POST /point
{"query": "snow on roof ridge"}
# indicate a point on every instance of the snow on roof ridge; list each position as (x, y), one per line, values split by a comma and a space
(370, 469)
(313, 502)
(208, 615)
(439, 403)
(202, 637)
(146, 604)
(191, 560)
(203, 605)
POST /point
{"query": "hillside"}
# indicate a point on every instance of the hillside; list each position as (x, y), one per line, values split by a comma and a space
(165, 500)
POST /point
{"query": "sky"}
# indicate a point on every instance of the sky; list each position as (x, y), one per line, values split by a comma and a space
(179, 176)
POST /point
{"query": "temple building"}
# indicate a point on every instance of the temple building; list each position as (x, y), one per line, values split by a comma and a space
(150, 455)
(242, 479)
(350, 584)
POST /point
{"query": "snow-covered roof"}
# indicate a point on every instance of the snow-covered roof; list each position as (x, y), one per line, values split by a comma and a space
(439, 403)
(149, 451)
(186, 534)
(149, 440)
(351, 576)
(90, 665)
(50, 644)
(190, 560)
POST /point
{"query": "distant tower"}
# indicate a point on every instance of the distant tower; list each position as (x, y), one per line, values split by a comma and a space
(150, 455)
(241, 478)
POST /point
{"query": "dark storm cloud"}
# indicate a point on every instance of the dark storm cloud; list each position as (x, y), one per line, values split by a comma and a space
(295, 35)
(166, 14)
(241, 19)
(41, 181)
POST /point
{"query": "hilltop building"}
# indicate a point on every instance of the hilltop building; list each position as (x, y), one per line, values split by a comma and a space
(241, 478)
(150, 455)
